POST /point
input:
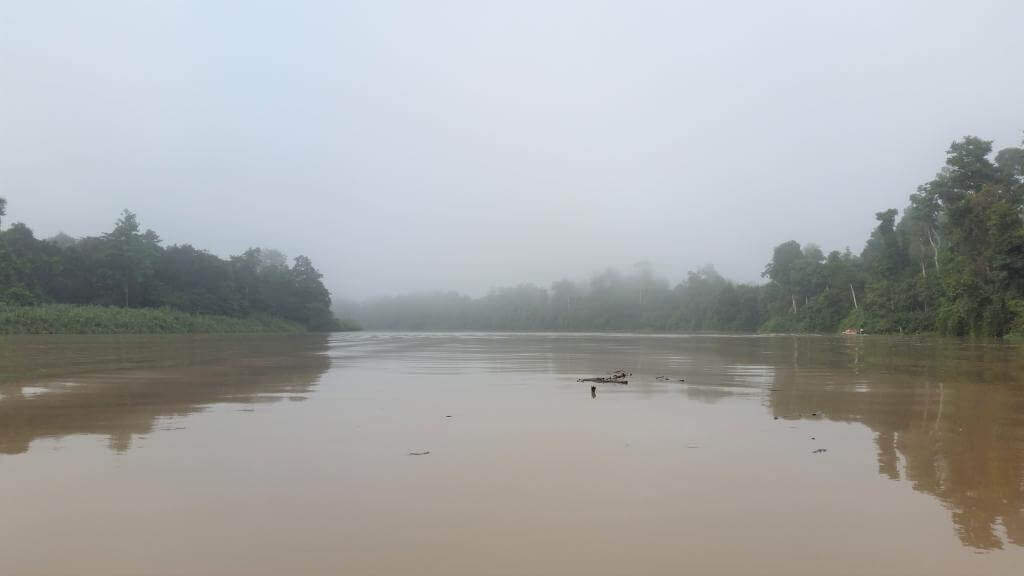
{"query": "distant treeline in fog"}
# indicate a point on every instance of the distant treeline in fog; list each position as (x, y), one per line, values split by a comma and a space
(953, 264)
(129, 268)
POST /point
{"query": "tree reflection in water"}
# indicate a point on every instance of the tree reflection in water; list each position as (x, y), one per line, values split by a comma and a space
(120, 386)
(948, 418)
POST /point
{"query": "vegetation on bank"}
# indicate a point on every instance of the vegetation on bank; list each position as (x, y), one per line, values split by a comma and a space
(126, 281)
(953, 264)
(87, 319)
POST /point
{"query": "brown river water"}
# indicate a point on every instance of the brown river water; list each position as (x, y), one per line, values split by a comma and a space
(262, 455)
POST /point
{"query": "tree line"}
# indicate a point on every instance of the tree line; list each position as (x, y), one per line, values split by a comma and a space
(130, 268)
(952, 264)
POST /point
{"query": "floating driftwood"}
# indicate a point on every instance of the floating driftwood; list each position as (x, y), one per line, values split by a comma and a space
(603, 380)
(667, 379)
(424, 453)
(819, 451)
(617, 377)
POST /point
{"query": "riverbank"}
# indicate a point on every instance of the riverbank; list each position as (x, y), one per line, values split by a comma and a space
(76, 319)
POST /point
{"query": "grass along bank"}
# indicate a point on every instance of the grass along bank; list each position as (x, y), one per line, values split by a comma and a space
(77, 319)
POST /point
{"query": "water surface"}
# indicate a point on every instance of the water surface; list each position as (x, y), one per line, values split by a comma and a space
(291, 454)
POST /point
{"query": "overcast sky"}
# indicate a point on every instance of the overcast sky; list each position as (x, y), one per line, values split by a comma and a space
(409, 146)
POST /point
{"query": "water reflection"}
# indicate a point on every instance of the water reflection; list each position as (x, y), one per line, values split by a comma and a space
(123, 386)
(948, 418)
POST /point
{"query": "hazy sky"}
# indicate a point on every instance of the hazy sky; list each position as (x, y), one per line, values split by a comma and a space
(423, 145)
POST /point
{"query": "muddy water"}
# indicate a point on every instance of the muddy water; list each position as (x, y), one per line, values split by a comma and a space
(291, 455)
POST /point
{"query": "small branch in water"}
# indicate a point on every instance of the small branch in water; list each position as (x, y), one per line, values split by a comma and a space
(424, 453)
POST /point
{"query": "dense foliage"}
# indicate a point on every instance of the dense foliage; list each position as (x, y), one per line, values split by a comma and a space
(76, 319)
(128, 268)
(954, 264)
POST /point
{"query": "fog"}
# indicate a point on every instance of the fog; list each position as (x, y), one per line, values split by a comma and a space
(415, 146)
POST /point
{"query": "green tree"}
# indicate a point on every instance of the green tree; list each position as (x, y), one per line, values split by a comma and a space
(981, 207)
(127, 267)
(310, 302)
(129, 259)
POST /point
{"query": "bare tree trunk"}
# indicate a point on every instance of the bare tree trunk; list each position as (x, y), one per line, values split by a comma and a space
(935, 246)
(854, 294)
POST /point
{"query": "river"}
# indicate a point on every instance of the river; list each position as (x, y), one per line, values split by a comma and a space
(391, 453)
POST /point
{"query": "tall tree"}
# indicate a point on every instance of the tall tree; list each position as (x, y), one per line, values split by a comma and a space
(129, 258)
